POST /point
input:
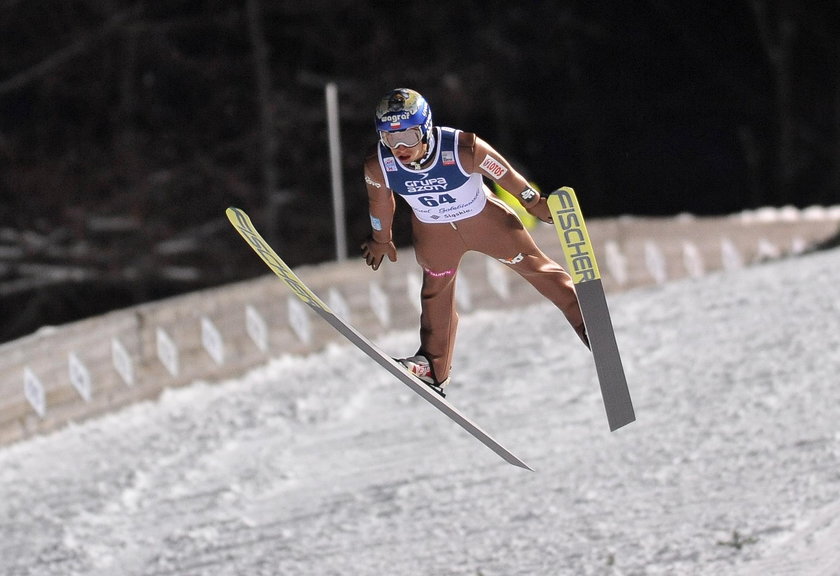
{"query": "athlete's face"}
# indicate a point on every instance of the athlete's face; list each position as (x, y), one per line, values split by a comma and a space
(406, 145)
(408, 155)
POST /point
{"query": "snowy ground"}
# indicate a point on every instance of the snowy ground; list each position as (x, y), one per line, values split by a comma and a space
(325, 465)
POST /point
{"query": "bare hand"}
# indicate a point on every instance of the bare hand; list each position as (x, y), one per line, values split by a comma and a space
(374, 252)
(540, 210)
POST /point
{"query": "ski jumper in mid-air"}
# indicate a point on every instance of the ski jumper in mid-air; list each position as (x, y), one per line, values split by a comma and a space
(439, 172)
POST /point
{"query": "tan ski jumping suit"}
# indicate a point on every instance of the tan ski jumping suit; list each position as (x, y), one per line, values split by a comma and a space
(454, 212)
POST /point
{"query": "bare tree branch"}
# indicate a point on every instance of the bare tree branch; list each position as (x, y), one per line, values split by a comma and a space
(66, 54)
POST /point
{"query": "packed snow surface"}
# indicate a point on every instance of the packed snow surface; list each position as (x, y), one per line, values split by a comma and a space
(326, 465)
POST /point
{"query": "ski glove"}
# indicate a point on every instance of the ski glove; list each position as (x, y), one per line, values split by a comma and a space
(374, 252)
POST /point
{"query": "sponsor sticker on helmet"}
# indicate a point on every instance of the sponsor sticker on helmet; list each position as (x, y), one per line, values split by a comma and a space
(493, 167)
(396, 118)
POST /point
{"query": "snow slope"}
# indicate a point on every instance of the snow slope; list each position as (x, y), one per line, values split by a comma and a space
(324, 465)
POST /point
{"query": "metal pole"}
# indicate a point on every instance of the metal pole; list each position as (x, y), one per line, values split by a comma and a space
(333, 131)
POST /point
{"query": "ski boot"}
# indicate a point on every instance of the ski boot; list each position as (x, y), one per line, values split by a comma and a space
(419, 366)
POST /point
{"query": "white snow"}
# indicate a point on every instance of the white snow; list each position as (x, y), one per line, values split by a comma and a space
(325, 465)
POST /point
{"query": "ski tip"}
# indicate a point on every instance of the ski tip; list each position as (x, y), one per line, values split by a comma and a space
(231, 212)
(564, 189)
(518, 463)
(618, 425)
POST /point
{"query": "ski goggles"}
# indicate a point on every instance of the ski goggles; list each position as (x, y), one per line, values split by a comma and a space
(409, 137)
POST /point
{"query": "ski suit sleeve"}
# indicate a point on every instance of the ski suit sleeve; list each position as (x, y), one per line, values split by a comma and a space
(381, 206)
(480, 157)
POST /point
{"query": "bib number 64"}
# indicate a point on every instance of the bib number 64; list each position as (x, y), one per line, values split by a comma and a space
(432, 201)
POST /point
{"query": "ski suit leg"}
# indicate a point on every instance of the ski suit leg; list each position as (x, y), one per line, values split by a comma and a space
(438, 249)
(499, 233)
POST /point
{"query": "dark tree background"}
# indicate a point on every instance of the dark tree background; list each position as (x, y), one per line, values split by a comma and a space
(126, 127)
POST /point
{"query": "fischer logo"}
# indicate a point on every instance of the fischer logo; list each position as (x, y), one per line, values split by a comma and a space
(493, 167)
(570, 222)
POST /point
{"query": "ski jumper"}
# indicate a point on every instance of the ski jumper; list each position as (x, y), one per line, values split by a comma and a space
(454, 212)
